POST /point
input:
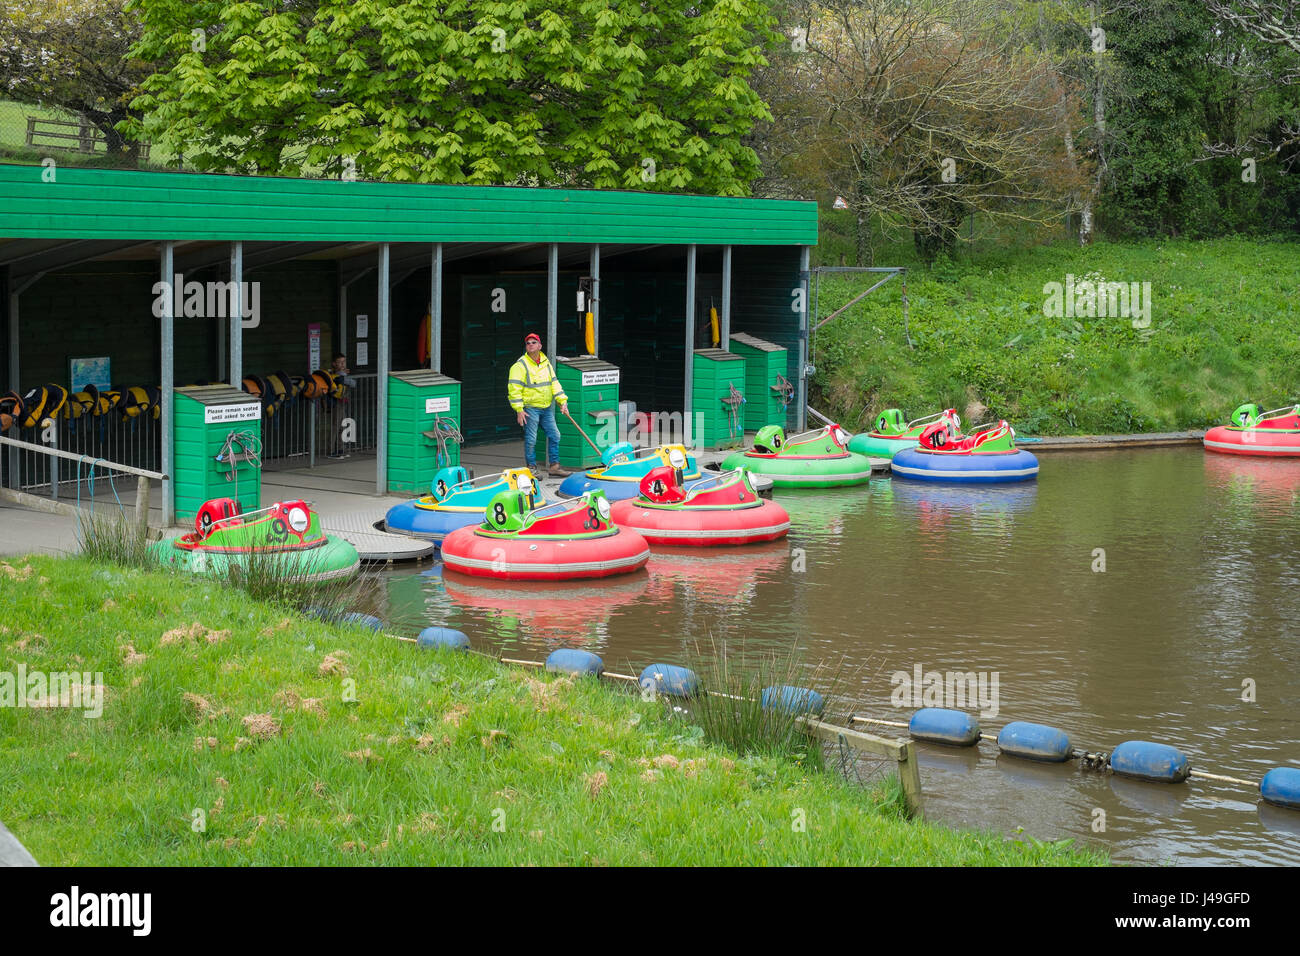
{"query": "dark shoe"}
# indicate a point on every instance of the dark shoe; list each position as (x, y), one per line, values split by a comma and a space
(555, 471)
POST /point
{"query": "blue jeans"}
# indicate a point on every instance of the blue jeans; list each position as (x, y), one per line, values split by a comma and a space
(547, 417)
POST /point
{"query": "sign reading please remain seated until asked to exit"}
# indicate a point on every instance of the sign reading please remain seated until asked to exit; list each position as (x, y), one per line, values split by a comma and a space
(442, 404)
(244, 412)
(603, 377)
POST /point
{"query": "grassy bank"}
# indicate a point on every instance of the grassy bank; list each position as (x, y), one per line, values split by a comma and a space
(233, 733)
(1222, 331)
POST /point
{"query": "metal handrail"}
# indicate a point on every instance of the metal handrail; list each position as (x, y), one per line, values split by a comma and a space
(142, 485)
(82, 459)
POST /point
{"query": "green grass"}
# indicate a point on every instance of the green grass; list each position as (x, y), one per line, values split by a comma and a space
(372, 751)
(1222, 332)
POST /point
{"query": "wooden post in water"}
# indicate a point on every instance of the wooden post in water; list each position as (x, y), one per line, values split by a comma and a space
(142, 507)
(902, 751)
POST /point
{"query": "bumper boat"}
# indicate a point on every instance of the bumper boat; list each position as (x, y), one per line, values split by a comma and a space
(558, 542)
(456, 500)
(987, 455)
(722, 509)
(814, 459)
(1274, 434)
(622, 469)
(890, 434)
(287, 535)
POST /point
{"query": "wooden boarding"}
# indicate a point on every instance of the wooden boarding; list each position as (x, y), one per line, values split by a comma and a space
(903, 751)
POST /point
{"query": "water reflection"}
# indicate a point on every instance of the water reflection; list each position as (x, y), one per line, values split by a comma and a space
(544, 616)
(1198, 593)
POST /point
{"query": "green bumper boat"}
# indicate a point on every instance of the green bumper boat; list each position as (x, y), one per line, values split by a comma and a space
(891, 434)
(285, 538)
(814, 459)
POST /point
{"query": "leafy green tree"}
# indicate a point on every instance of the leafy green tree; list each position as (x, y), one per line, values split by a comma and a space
(1203, 95)
(73, 54)
(649, 95)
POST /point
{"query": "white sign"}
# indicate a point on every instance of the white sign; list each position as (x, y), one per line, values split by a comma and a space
(363, 353)
(243, 412)
(432, 405)
(605, 377)
(363, 326)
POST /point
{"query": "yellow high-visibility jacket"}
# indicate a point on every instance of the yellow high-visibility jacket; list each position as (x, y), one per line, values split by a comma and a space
(533, 384)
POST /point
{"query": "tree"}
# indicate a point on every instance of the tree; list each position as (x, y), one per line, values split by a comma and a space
(1202, 95)
(73, 54)
(922, 114)
(1273, 21)
(608, 94)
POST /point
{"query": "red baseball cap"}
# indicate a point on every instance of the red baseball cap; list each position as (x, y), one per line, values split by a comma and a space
(532, 335)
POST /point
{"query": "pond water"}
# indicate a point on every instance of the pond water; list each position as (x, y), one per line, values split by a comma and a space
(1141, 594)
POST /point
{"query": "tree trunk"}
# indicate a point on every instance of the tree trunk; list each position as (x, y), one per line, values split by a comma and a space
(1099, 130)
(863, 236)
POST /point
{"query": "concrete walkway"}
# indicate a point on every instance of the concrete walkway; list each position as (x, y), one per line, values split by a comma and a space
(13, 853)
(1098, 442)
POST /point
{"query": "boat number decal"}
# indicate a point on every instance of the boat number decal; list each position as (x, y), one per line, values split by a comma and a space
(279, 531)
(499, 513)
(593, 518)
(442, 488)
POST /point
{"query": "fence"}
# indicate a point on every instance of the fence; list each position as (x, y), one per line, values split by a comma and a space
(298, 434)
(52, 458)
(78, 135)
(304, 430)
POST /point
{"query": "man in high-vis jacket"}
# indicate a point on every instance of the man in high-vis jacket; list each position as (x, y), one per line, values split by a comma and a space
(534, 391)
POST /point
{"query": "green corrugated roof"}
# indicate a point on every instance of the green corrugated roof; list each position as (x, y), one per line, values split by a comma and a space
(137, 205)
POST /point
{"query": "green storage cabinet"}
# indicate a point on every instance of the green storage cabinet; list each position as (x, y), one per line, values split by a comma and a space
(715, 373)
(592, 387)
(416, 401)
(765, 383)
(203, 417)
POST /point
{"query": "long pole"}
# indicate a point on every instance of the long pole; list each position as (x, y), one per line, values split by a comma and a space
(687, 402)
(565, 409)
(594, 308)
(435, 311)
(801, 411)
(236, 314)
(381, 423)
(165, 390)
(552, 296)
(725, 324)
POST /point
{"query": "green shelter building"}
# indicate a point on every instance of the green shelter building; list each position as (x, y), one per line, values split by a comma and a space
(167, 280)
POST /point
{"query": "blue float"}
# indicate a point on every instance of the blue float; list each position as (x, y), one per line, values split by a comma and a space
(571, 660)
(355, 618)
(943, 726)
(991, 468)
(670, 679)
(1034, 741)
(442, 637)
(1281, 786)
(792, 700)
(1147, 761)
